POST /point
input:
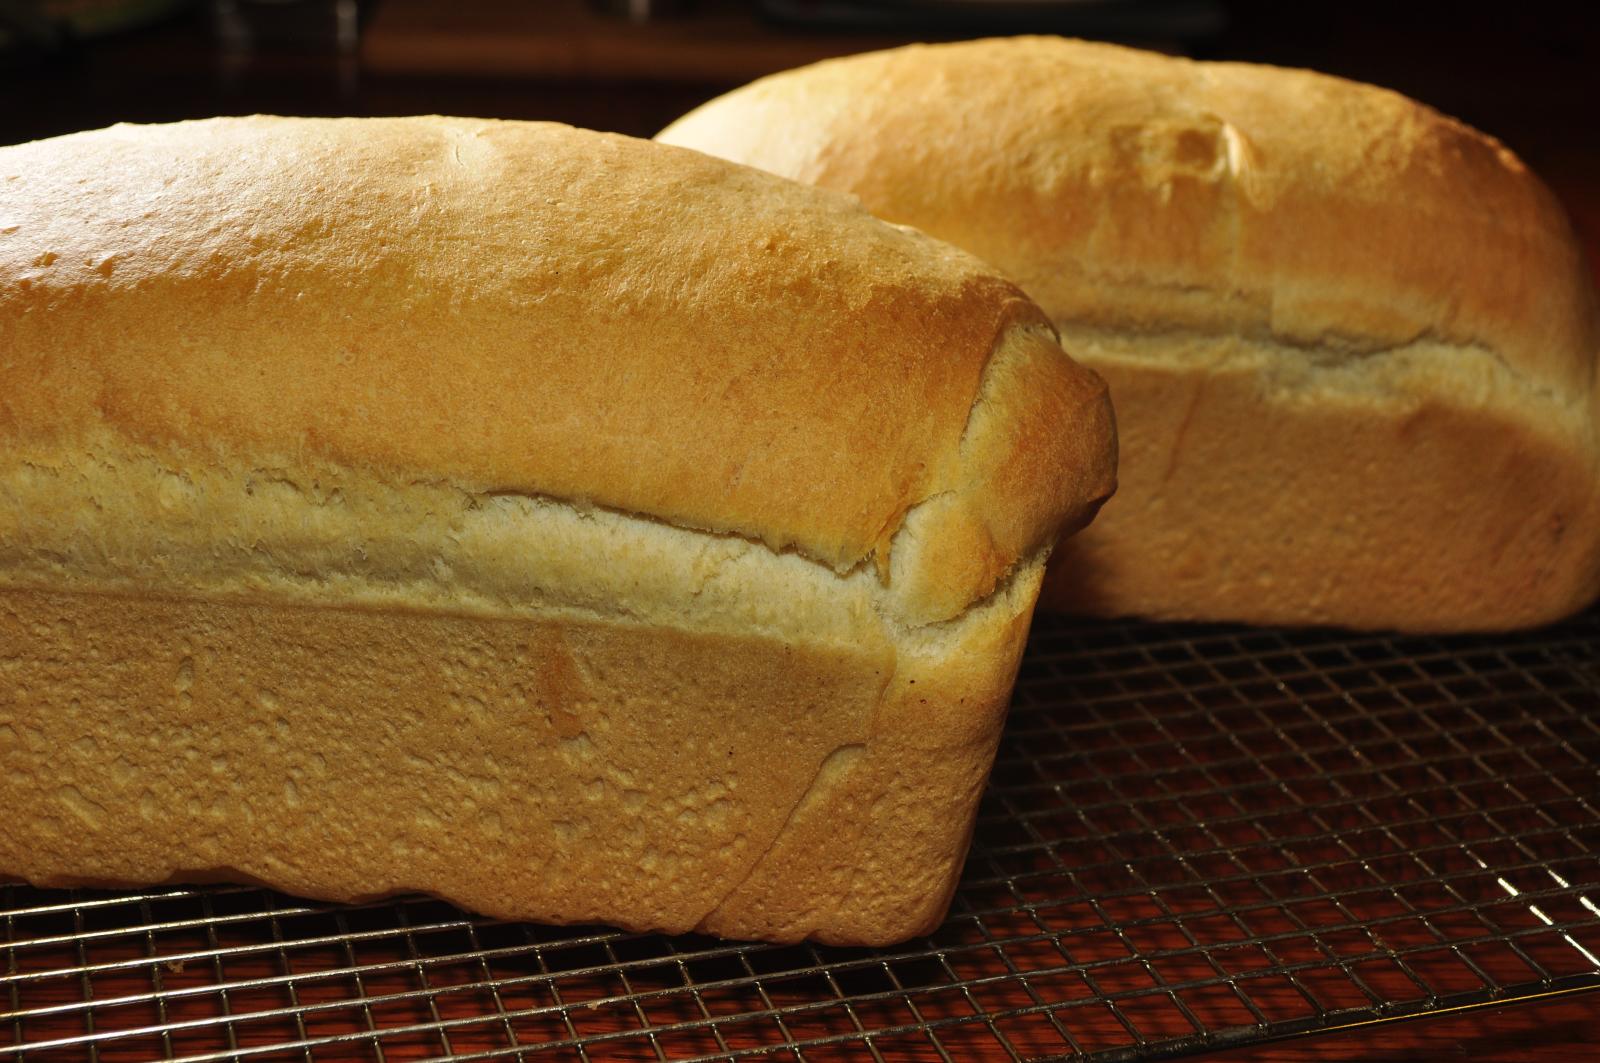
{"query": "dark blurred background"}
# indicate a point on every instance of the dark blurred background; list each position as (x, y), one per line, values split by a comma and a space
(1527, 72)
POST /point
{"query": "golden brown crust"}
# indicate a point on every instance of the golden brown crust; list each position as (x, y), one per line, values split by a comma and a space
(506, 307)
(553, 522)
(559, 770)
(1489, 521)
(902, 807)
(1130, 189)
(1186, 208)
(348, 753)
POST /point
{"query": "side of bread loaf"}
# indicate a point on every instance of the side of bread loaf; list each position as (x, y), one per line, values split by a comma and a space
(1352, 342)
(532, 517)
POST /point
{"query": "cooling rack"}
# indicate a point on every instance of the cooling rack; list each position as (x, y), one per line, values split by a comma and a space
(1195, 837)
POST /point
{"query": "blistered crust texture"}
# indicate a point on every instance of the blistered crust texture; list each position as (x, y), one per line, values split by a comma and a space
(1170, 215)
(561, 770)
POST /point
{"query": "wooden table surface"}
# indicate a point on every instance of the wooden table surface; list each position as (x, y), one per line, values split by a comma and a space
(1531, 76)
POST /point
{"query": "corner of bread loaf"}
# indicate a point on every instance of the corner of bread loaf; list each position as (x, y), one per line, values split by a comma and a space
(872, 852)
(1037, 458)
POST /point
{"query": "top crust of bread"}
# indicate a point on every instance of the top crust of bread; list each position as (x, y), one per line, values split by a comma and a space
(536, 311)
(1143, 192)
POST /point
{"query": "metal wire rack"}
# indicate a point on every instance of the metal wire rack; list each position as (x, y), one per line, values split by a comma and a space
(1194, 837)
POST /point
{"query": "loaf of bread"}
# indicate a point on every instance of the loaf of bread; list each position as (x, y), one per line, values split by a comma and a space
(1351, 342)
(573, 527)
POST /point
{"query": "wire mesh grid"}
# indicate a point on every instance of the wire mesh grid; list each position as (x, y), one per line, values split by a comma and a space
(1194, 837)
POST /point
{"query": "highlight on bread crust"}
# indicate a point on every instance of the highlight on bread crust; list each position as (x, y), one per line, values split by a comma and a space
(574, 527)
(1352, 342)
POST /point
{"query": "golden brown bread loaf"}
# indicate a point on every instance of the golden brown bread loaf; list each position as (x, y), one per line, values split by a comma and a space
(1351, 342)
(570, 526)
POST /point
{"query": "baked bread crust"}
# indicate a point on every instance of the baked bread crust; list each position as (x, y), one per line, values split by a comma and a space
(573, 315)
(1421, 327)
(550, 521)
(554, 768)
